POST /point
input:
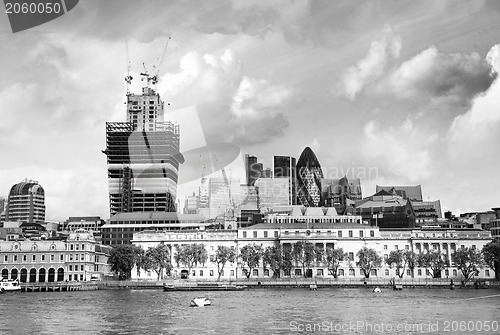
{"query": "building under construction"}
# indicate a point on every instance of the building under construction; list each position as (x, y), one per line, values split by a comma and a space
(143, 157)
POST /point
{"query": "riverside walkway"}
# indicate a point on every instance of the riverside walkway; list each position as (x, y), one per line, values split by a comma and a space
(298, 282)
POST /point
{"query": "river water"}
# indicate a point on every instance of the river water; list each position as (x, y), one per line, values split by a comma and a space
(255, 311)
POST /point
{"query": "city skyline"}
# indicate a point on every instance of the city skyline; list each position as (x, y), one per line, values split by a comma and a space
(408, 90)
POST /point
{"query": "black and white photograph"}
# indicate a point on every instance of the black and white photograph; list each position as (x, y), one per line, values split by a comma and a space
(250, 167)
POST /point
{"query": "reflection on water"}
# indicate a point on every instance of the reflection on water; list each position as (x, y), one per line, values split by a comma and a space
(257, 311)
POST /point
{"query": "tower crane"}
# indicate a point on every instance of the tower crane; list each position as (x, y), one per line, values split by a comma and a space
(154, 77)
(128, 78)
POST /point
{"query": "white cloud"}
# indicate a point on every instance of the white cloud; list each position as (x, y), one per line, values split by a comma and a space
(473, 132)
(370, 68)
(404, 152)
(79, 191)
(232, 107)
(433, 74)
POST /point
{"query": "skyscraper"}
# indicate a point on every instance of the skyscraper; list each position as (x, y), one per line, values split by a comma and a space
(143, 157)
(26, 202)
(285, 167)
(309, 177)
(253, 169)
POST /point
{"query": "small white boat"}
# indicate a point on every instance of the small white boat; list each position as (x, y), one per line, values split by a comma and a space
(377, 290)
(7, 285)
(200, 302)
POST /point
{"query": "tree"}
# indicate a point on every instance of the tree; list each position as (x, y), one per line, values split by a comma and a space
(491, 252)
(333, 258)
(273, 256)
(396, 259)
(123, 258)
(158, 259)
(223, 255)
(432, 260)
(468, 261)
(190, 255)
(410, 259)
(141, 262)
(368, 259)
(250, 256)
(304, 254)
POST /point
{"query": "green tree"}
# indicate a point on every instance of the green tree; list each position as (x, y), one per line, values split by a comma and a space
(123, 258)
(469, 261)
(432, 260)
(333, 258)
(250, 256)
(190, 255)
(158, 259)
(368, 259)
(223, 255)
(491, 253)
(304, 254)
(396, 259)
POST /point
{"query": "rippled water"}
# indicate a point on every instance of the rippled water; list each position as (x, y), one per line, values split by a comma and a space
(255, 311)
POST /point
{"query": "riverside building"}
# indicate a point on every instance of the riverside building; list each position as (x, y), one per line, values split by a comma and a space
(78, 258)
(324, 229)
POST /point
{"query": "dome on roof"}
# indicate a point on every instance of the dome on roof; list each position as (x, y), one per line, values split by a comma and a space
(27, 187)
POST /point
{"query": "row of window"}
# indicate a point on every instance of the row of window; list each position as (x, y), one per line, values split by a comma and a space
(352, 272)
(75, 267)
(76, 246)
(350, 233)
(44, 258)
(435, 246)
(33, 258)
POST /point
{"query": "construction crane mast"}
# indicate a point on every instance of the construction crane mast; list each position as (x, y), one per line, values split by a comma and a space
(154, 77)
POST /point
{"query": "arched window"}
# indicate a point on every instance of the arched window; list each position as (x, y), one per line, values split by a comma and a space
(13, 274)
(32, 275)
(52, 275)
(5, 274)
(41, 275)
(60, 274)
(24, 275)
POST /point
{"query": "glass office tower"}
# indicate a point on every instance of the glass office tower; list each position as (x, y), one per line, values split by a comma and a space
(309, 177)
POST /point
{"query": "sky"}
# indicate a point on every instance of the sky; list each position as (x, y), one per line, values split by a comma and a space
(391, 92)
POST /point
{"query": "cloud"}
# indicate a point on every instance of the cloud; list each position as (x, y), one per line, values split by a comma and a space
(473, 132)
(433, 74)
(402, 153)
(372, 67)
(433, 78)
(79, 191)
(232, 107)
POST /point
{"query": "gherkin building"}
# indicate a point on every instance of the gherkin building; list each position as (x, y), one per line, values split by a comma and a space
(309, 177)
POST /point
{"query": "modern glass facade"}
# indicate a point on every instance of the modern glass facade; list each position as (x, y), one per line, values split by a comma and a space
(285, 167)
(253, 169)
(309, 177)
(143, 158)
(26, 202)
